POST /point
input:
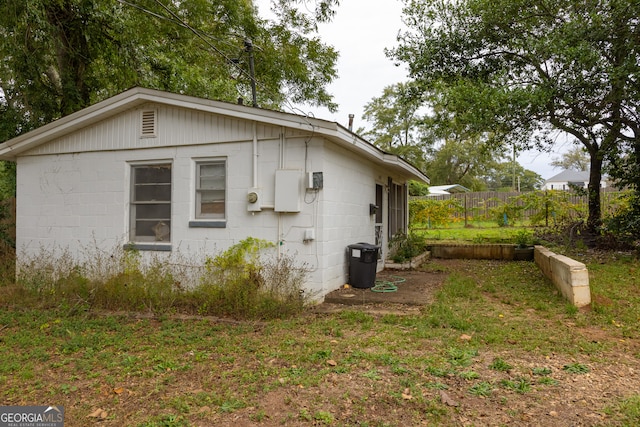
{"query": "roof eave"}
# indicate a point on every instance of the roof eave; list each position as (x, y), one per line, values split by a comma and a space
(9, 150)
(138, 96)
(351, 141)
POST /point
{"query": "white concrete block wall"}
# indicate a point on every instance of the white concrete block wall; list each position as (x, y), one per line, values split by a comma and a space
(73, 199)
(58, 205)
(81, 200)
(571, 277)
(346, 218)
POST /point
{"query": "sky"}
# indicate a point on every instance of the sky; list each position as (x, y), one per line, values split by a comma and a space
(360, 31)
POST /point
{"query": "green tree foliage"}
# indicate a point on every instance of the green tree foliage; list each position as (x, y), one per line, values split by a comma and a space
(59, 56)
(397, 126)
(576, 159)
(418, 188)
(464, 161)
(449, 154)
(7, 180)
(503, 175)
(530, 68)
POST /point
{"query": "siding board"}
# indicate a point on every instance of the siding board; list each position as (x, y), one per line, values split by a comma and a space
(176, 127)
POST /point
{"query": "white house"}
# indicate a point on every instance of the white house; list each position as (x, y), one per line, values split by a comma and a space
(568, 179)
(168, 174)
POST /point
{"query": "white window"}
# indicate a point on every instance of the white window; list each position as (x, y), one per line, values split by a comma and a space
(150, 217)
(211, 177)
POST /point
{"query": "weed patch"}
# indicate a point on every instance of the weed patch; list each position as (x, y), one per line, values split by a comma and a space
(235, 283)
(627, 409)
(500, 365)
(519, 385)
(576, 368)
(483, 389)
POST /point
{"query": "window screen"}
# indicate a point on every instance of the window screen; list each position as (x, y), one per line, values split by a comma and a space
(210, 189)
(151, 203)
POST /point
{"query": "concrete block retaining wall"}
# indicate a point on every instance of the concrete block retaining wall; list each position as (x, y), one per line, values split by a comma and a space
(568, 275)
(505, 252)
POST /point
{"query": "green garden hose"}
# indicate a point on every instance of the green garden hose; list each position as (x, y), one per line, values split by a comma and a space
(387, 285)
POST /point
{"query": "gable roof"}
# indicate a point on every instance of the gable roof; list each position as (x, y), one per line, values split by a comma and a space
(570, 175)
(136, 96)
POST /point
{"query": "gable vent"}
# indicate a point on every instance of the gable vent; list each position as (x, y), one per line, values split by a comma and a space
(148, 123)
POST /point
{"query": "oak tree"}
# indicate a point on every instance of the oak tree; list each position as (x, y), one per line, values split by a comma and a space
(527, 69)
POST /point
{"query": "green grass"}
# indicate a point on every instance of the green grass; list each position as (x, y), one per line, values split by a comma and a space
(626, 410)
(343, 368)
(519, 385)
(500, 365)
(576, 368)
(474, 232)
(614, 289)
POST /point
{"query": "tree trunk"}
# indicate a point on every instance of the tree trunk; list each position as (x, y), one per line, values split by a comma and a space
(594, 220)
(636, 171)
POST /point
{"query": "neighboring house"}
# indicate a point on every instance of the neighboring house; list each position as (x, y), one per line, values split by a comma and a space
(173, 175)
(568, 179)
(439, 190)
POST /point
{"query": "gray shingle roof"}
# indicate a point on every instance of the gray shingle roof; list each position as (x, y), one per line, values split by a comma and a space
(570, 175)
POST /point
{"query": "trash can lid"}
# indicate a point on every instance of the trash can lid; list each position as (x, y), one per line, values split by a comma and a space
(363, 245)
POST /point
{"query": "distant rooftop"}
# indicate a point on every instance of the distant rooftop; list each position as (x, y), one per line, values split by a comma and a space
(569, 175)
(435, 190)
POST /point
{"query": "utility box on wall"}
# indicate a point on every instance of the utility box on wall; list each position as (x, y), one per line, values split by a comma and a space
(314, 181)
(287, 197)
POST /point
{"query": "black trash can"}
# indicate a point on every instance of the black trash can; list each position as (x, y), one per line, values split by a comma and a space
(363, 260)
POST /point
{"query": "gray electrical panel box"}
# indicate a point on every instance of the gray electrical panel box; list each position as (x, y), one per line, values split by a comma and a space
(314, 180)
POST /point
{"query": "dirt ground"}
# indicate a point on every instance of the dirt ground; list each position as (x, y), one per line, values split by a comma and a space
(576, 400)
(402, 292)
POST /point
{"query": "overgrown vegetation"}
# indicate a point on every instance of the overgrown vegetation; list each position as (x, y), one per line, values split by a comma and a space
(497, 337)
(403, 247)
(433, 213)
(558, 217)
(7, 243)
(535, 208)
(240, 282)
(7, 224)
(624, 224)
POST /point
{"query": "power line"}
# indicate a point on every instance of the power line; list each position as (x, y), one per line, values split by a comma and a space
(203, 36)
(180, 22)
(199, 35)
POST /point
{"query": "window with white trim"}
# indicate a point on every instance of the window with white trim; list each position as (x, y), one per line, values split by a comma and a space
(211, 180)
(150, 216)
